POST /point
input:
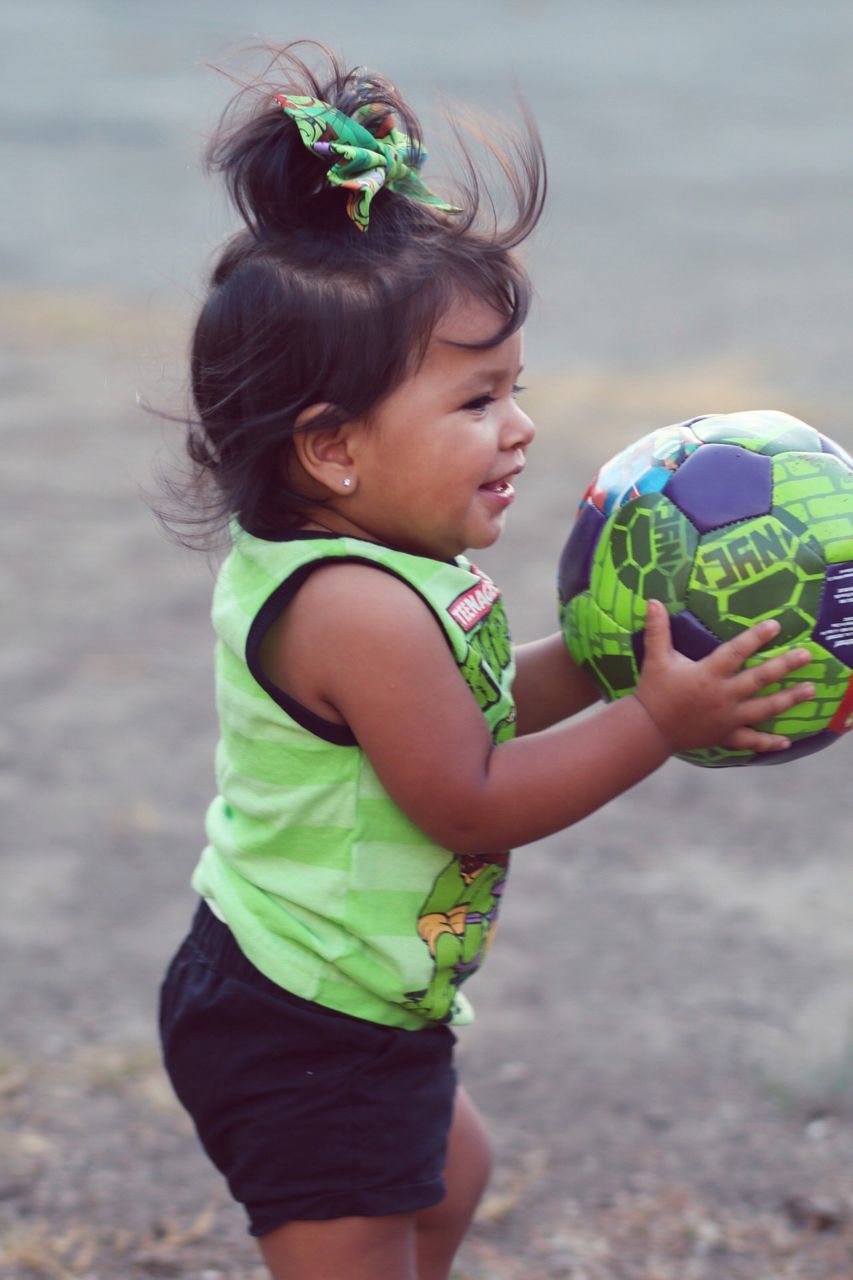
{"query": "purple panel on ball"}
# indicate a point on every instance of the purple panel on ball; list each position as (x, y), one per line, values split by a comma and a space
(720, 484)
(802, 747)
(834, 627)
(575, 566)
(829, 446)
(689, 636)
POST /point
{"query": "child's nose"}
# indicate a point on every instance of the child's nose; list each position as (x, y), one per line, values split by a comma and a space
(519, 429)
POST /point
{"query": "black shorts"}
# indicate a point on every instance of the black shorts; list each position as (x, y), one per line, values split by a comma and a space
(307, 1112)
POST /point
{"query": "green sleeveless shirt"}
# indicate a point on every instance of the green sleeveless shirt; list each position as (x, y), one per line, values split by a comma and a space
(329, 889)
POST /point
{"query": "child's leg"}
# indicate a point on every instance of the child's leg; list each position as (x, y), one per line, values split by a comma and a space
(350, 1248)
(402, 1246)
(441, 1229)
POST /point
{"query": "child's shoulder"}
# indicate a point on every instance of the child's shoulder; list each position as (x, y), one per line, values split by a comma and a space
(355, 646)
(353, 597)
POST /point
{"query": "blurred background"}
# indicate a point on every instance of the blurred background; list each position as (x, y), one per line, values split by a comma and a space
(664, 1048)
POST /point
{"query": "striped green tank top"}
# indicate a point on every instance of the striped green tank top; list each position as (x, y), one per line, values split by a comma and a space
(329, 889)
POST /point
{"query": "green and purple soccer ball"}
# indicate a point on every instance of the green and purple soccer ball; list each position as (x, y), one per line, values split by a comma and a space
(727, 519)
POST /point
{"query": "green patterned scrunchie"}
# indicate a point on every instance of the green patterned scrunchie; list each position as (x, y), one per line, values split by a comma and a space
(365, 159)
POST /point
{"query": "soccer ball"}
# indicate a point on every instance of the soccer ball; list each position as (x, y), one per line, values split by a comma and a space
(727, 519)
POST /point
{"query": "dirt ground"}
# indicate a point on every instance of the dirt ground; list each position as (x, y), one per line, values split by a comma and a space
(664, 1042)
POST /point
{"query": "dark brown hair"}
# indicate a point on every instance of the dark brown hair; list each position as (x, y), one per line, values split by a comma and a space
(305, 309)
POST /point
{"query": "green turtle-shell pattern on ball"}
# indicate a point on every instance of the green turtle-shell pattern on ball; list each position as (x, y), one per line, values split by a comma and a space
(727, 519)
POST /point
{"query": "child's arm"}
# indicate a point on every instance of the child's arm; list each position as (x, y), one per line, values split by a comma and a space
(359, 646)
(549, 686)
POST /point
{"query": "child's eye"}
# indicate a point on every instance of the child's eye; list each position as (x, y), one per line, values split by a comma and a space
(479, 403)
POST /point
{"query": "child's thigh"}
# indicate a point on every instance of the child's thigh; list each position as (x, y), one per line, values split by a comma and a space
(418, 1246)
(355, 1248)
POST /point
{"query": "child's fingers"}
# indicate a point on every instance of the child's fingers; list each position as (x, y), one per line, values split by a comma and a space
(757, 677)
(755, 740)
(774, 704)
(729, 657)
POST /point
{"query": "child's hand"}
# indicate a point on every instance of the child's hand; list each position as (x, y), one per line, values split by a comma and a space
(714, 701)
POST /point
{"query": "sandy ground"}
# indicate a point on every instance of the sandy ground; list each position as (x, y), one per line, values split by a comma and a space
(664, 1046)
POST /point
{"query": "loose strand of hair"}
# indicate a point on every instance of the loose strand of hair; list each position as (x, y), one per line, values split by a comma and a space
(522, 164)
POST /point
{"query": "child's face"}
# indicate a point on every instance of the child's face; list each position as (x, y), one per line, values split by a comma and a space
(433, 467)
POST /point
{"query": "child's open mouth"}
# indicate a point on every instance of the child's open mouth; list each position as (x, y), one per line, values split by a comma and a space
(503, 488)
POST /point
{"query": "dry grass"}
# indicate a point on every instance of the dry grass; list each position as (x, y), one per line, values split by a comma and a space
(673, 1235)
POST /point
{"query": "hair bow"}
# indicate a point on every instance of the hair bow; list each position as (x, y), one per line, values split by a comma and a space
(364, 159)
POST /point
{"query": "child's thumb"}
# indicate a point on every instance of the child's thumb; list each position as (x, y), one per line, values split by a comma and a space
(658, 636)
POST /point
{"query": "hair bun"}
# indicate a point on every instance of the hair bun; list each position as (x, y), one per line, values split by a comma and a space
(276, 184)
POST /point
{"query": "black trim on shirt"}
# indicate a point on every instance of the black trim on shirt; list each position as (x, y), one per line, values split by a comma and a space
(272, 608)
(269, 611)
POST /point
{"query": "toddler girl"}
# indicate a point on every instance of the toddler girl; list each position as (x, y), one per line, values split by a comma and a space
(355, 369)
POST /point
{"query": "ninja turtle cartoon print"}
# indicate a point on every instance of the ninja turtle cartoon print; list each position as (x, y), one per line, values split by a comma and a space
(457, 923)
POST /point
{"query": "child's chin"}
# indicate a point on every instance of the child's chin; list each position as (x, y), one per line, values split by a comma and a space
(488, 536)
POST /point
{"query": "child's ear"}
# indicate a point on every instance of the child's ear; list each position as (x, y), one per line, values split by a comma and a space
(324, 452)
